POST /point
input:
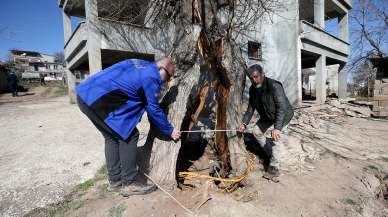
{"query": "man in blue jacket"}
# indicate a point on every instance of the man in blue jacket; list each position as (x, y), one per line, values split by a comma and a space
(115, 100)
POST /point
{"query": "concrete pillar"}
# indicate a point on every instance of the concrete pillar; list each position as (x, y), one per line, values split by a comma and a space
(319, 13)
(343, 26)
(71, 86)
(299, 71)
(342, 81)
(321, 77)
(94, 37)
(70, 78)
(66, 26)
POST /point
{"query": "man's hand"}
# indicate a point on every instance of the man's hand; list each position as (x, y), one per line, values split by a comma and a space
(275, 134)
(176, 134)
(242, 128)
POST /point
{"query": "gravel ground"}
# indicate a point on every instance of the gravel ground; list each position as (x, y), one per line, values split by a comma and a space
(46, 147)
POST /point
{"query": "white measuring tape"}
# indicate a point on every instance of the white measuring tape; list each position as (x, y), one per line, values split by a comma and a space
(208, 131)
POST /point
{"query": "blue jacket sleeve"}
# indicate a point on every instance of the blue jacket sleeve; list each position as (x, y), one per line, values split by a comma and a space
(155, 113)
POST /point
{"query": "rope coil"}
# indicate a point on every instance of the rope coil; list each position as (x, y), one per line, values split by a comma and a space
(234, 181)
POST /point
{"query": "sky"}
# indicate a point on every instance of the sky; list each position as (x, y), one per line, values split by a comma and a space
(37, 25)
(30, 25)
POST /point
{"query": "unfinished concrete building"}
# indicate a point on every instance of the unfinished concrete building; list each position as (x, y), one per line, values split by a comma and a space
(309, 85)
(295, 38)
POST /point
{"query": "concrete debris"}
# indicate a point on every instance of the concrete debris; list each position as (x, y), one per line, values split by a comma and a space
(358, 109)
(337, 104)
(314, 116)
(350, 113)
(363, 103)
(306, 120)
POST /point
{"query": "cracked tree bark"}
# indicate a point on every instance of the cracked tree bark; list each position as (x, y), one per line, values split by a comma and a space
(226, 66)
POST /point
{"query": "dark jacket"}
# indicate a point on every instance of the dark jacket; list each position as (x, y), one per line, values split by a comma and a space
(12, 79)
(271, 103)
(120, 94)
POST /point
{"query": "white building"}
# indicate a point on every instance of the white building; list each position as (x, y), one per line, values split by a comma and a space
(32, 64)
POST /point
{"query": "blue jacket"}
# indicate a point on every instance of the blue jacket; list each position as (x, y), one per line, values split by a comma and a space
(120, 94)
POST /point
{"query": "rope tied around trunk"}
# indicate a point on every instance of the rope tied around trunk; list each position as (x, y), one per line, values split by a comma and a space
(235, 181)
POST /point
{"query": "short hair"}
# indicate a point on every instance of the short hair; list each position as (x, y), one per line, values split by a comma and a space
(254, 68)
(164, 62)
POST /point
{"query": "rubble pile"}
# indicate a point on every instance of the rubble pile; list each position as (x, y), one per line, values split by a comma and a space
(313, 116)
(352, 109)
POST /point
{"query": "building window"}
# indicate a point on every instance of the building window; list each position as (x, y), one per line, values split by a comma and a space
(254, 50)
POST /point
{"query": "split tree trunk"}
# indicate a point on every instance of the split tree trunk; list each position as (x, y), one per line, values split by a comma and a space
(159, 153)
(226, 66)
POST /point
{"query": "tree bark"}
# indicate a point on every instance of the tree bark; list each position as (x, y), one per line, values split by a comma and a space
(226, 66)
(159, 154)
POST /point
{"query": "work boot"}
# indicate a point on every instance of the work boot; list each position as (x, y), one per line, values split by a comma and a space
(137, 188)
(272, 174)
(114, 186)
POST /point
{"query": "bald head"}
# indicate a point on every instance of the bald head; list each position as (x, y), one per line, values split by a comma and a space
(166, 68)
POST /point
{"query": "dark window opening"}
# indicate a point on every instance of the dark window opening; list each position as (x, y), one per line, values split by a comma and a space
(254, 50)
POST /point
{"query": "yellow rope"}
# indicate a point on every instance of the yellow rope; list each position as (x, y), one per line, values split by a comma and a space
(250, 166)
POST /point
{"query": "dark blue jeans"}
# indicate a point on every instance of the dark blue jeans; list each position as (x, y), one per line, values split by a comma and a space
(120, 154)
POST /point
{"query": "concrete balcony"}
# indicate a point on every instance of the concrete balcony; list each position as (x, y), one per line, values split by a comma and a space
(76, 41)
(313, 36)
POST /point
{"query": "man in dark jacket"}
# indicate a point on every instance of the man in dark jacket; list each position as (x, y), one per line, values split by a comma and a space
(115, 100)
(267, 97)
(13, 80)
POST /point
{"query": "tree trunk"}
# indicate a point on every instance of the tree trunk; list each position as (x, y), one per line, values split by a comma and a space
(184, 100)
(160, 153)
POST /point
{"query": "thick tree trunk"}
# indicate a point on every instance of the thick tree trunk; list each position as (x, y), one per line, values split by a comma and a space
(235, 70)
(159, 155)
(190, 86)
(184, 99)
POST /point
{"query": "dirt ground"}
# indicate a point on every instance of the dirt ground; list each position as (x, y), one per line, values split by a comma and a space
(35, 92)
(332, 165)
(47, 146)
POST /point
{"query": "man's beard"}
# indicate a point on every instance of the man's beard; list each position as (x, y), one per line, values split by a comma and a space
(258, 86)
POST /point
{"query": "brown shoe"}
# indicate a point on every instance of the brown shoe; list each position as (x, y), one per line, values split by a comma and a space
(114, 186)
(272, 174)
(136, 188)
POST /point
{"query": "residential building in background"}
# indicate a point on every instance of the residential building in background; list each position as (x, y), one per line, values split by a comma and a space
(33, 65)
(293, 39)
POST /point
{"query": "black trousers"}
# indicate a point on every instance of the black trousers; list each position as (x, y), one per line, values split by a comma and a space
(120, 154)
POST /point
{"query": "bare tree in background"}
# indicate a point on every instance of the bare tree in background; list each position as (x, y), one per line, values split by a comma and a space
(363, 79)
(369, 29)
(369, 36)
(59, 57)
(204, 34)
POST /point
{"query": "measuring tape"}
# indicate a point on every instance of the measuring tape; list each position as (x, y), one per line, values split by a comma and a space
(208, 131)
